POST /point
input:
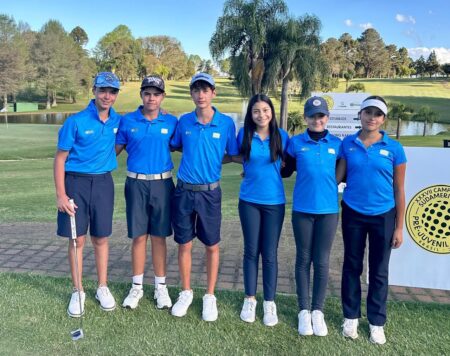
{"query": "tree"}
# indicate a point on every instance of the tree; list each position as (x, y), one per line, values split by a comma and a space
(196, 60)
(225, 65)
(399, 112)
(119, 52)
(55, 55)
(293, 52)
(295, 122)
(356, 87)
(420, 66)
(432, 65)
(446, 69)
(372, 53)
(332, 50)
(403, 62)
(13, 55)
(427, 115)
(168, 52)
(79, 36)
(348, 75)
(350, 52)
(241, 31)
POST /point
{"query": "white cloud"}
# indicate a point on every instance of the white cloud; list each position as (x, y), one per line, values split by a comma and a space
(348, 22)
(365, 26)
(405, 18)
(442, 54)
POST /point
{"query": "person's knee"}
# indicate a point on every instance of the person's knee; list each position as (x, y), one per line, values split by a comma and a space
(80, 241)
(99, 242)
(185, 248)
(214, 249)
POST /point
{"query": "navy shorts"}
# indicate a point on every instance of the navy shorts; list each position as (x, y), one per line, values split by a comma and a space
(94, 196)
(197, 213)
(148, 206)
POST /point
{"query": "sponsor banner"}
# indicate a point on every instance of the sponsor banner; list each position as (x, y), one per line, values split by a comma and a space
(424, 258)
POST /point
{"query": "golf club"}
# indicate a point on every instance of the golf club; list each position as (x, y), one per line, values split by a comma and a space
(78, 333)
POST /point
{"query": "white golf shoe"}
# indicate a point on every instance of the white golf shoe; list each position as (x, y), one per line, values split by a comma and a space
(350, 328)
(184, 300)
(105, 298)
(162, 297)
(209, 312)
(133, 298)
(74, 305)
(304, 323)
(377, 335)
(318, 323)
(248, 312)
(270, 313)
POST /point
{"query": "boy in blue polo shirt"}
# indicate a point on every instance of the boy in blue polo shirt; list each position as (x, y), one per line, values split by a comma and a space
(82, 171)
(145, 134)
(205, 136)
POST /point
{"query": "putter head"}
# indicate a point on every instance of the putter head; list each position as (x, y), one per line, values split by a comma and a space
(77, 334)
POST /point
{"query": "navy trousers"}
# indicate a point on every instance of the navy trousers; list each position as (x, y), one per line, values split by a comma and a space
(355, 229)
(261, 227)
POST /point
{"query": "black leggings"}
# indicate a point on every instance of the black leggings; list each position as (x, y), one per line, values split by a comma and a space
(314, 235)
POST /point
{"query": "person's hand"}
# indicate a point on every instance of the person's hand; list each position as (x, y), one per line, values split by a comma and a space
(397, 238)
(64, 205)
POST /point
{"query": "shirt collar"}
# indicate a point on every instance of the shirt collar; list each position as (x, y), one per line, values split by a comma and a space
(308, 138)
(141, 116)
(384, 138)
(215, 119)
(93, 108)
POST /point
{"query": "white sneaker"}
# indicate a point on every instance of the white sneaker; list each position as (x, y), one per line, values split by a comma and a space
(248, 312)
(74, 305)
(270, 313)
(318, 323)
(377, 334)
(304, 323)
(162, 296)
(209, 312)
(350, 328)
(105, 298)
(133, 297)
(183, 302)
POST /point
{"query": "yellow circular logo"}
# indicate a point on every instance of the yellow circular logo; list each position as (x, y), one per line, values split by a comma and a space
(428, 219)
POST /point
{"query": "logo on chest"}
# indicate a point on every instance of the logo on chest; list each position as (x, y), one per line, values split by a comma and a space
(89, 132)
(216, 135)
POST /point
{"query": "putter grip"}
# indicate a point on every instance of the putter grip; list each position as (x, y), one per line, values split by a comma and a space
(73, 226)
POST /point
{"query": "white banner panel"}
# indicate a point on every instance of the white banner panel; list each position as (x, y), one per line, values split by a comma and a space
(424, 258)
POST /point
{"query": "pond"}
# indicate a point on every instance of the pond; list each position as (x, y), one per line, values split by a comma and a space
(408, 128)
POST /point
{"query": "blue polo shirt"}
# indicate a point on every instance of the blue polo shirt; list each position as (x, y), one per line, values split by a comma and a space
(90, 141)
(147, 141)
(315, 190)
(262, 183)
(370, 174)
(204, 146)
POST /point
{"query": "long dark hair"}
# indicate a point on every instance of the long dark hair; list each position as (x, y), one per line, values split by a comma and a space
(275, 145)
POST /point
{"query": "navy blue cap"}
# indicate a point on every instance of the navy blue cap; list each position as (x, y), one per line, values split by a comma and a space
(106, 80)
(204, 77)
(153, 81)
(316, 105)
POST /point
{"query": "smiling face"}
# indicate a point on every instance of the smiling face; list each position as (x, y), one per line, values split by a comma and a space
(317, 122)
(105, 97)
(372, 118)
(261, 115)
(151, 99)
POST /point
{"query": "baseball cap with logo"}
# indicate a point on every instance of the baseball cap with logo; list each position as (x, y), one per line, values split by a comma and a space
(316, 105)
(204, 77)
(106, 80)
(153, 81)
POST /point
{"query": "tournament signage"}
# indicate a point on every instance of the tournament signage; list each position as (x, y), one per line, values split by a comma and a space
(423, 260)
(344, 109)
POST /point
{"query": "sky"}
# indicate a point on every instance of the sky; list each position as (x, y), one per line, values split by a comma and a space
(418, 25)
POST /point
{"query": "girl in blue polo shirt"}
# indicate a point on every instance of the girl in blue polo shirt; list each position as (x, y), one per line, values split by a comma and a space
(261, 203)
(373, 205)
(313, 154)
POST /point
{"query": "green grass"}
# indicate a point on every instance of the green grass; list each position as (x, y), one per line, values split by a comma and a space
(34, 321)
(416, 93)
(27, 183)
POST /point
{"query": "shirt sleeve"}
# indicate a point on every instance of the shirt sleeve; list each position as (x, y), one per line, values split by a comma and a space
(232, 145)
(67, 134)
(122, 137)
(175, 141)
(399, 157)
(290, 148)
(240, 138)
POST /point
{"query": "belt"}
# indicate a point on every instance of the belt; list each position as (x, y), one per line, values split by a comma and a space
(158, 176)
(198, 187)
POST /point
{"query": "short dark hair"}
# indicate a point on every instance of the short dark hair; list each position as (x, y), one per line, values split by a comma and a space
(202, 85)
(276, 150)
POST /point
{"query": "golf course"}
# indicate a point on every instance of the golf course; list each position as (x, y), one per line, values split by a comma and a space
(33, 306)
